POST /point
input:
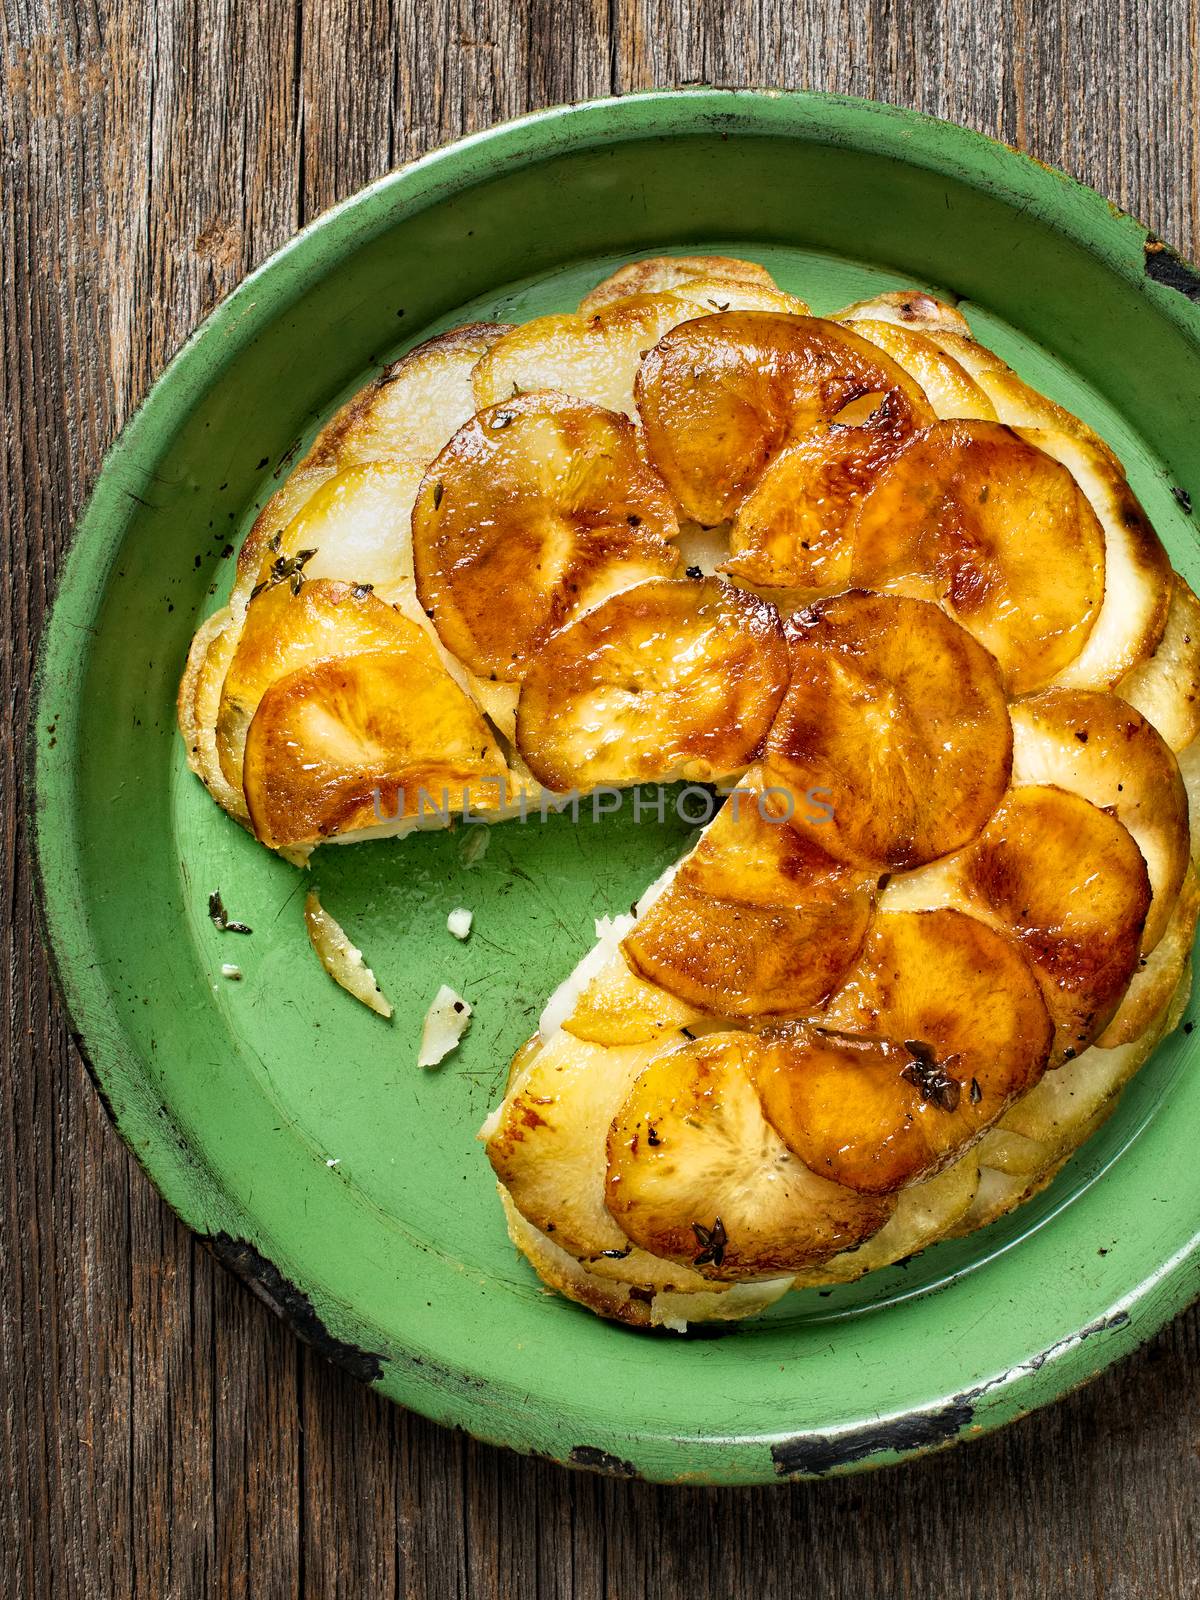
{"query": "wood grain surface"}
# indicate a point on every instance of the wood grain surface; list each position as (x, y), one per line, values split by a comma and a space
(160, 1433)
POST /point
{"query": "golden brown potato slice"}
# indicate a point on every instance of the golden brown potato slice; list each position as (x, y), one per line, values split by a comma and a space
(1067, 881)
(618, 1007)
(757, 922)
(1098, 746)
(791, 529)
(675, 677)
(898, 718)
(967, 1010)
(947, 385)
(546, 1142)
(862, 1109)
(536, 509)
(720, 397)
(403, 417)
(696, 1173)
(364, 742)
(667, 274)
(1166, 687)
(995, 531)
(285, 630)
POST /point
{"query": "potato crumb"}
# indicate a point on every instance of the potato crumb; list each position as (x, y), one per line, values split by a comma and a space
(445, 1023)
(459, 922)
(342, 961)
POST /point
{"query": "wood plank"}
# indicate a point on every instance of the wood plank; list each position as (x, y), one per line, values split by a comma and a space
(161, 1433)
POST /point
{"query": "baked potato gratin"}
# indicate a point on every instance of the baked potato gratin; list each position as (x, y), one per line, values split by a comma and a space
(690, 531)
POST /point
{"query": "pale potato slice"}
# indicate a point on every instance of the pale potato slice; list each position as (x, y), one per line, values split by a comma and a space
(403, 417)
(925, 1212)
(285, 630)
(1137, 573)
(672, 678)
(357, 526)
(758, 921)
(965, 1002)
(535, 510)
(618, 1007)
(664, 274)
(996, 531)
(720, 397)
(1159, 973)
(909, 308)
(363, 740)
(341, 958)
(898, 718)
(1067, 882)
(197, 705)
(1189, 771)
(1166, 687)
(648, 1296)
(1059, 1112)
(546, 1143)
(592, 357)
(1101, 748)
(947, 385)
(698, 1175)
(791, 529)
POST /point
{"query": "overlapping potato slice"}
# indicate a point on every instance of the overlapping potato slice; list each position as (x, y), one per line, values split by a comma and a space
(546, 1142)
(286, 629)
(1137, 587)
(898, 717)
(1060, 1109)
(1166, 687)
(594, 353)
(366, 742)
(675, 677)
(638, 1289)
(970, 1034)
(861, 1109)
(758, 921)
(1101, 748)
(925, 1212)
(197, 705)
(998, 533)
(909, 308)
(720, 397)
(537, 508)
(1159, 973)
(681, 275)
(356, 526)
(791, 529)
(618, 1007)
(1067, 881)
(592, 357)
(946, 384)
(403, 418)
(697, 1175)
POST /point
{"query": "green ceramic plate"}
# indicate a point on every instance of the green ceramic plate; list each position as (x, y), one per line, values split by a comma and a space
(291, 1128)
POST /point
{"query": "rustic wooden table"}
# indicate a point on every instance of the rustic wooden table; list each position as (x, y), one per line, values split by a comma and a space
(160, 1433)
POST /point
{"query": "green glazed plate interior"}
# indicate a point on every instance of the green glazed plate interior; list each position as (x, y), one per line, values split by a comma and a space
(291, 1127)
